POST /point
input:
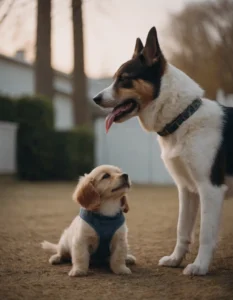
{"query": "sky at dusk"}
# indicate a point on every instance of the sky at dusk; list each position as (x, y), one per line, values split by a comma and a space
(110, 30)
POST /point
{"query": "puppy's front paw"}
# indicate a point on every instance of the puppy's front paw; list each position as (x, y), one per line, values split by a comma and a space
(75, 272)
(195, 269)
(55, 259)
(121, 270)
(169, 261)
(130, 259)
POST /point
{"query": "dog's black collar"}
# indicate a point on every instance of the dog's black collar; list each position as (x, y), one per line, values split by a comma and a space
(175, 124)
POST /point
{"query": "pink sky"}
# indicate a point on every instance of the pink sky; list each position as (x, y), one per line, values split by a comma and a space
(110, 30)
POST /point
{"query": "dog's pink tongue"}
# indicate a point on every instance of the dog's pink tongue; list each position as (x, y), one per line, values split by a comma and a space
(109, 120)
(111, 116)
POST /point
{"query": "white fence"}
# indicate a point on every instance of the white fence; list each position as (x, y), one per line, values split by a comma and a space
(128, 146)
(7, 148)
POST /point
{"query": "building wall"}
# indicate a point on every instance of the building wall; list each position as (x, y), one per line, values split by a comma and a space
(7, 148)
(17, 79)
(62, 83)
(137, 152)
(14, 79)
(63, 112)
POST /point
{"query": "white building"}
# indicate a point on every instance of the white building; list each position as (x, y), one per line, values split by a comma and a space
(126, 145)
(17, 78)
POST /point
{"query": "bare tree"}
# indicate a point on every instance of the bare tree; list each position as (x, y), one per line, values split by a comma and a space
(80, 101)
(43, 69)
(204, 33)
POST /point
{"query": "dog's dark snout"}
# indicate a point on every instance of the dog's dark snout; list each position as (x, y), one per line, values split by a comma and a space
(125, 177)
(97, 98)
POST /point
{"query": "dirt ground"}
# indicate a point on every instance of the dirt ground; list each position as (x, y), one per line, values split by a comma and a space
(32, 212)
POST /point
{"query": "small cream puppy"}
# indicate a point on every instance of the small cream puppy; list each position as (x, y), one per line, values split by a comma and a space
(100, 229)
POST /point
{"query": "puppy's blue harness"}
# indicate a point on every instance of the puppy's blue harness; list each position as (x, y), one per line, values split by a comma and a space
(105, 227)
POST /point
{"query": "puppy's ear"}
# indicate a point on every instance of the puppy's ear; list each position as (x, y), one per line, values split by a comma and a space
(86, 194)
(124, 204)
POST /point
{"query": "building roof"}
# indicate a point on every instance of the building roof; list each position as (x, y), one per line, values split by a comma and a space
(27, 64)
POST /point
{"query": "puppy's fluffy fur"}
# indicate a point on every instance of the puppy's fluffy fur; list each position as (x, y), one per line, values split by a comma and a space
(103, 191)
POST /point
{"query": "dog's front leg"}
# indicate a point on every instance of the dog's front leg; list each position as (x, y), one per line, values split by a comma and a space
(188, 208)
(211, 198)
(80, 258)
(119, 254)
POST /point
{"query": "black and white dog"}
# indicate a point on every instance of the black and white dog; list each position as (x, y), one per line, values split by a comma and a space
(195, 135)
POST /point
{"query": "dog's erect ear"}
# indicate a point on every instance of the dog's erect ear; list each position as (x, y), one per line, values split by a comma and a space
(152, 50)
(86, 194)
(138, 47)
(124, 204)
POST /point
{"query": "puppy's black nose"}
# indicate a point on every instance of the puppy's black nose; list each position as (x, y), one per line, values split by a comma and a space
(97, 99)
(125, 177)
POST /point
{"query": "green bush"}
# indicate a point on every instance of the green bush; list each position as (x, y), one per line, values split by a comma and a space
(45, 154)
(34, 153)
(35, 111)
(7, 109)
(74, 153)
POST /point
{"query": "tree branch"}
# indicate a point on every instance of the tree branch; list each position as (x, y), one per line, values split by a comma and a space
(7, 12)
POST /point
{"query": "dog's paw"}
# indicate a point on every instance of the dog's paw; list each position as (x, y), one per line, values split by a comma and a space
(55, 259)
(169, 261)
(130, 259)
(75, 272)
(195, 269)
(123, 270)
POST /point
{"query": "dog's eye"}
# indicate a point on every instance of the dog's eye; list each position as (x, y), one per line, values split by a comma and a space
(121, 78)
(106, 176)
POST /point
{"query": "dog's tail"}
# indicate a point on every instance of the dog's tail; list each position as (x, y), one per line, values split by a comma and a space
(49, 247)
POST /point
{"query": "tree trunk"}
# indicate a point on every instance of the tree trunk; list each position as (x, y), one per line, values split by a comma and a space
(43, 69)
(80, 100)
